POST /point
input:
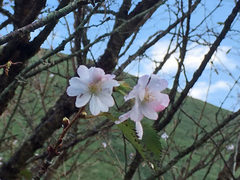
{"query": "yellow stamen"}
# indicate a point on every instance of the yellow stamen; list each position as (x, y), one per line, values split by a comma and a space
(94, 88)
(148, 97)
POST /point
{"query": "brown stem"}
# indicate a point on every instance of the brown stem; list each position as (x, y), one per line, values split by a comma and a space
(53, 152)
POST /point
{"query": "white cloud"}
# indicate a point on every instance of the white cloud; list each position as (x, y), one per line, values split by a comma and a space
(220, 85)
(145, 66)
(200, 90)
(193, 58)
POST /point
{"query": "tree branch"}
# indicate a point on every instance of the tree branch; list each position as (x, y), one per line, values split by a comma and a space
(199, 71)
(195, 145)
(50, 17)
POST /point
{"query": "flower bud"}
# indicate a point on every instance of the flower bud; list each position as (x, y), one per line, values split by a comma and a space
(83, 114)
(65, 122)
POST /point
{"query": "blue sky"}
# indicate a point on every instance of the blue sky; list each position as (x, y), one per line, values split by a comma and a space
(215, 83)
(216, 76)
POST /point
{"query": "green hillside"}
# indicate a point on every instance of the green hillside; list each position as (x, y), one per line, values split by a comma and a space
(96, 161)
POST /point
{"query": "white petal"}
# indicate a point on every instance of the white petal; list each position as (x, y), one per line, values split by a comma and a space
(161, 101)
(132, 94)
(103, 107)
(76, 82)
(135, 113)
(139, 130)
(96, 74)
(156, 83)
(109, 84)
(83, 73)
(82, 100)
(107, 91)
(123, 118)
(71, 91)
(110, 76)
(96, 106)
(141, 93)
(149, 112)
(164, 99)
(106, 99)
(76, 87)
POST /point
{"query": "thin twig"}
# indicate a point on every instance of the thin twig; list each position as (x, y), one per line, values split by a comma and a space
(55, 151)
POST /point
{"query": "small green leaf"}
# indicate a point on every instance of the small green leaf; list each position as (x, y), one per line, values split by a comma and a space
(124, 88)
(153, 145)
(228, 51)
(149, 147)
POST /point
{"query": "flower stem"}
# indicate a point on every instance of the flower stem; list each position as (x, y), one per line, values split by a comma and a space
(68, 127)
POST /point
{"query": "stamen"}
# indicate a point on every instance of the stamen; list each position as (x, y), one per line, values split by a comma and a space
(148, 97)
(93, 88)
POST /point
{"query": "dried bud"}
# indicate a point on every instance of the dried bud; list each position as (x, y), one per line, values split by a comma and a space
(65, 122)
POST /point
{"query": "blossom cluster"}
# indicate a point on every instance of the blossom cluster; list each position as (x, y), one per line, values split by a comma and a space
(96, 87)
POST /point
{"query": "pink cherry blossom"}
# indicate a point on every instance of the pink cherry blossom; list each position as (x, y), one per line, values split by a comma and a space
(93, 86)
(148, 101)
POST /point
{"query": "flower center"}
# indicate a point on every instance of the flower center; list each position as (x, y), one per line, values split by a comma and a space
(148, 97)
(94, 88)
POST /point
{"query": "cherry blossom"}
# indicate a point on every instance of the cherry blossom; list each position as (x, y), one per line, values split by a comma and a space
(93, 86)
(148, 101)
